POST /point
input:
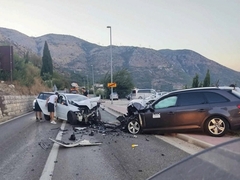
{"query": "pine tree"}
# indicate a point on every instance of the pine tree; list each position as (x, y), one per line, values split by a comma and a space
(206, 82)
(195, 82)
(47, 66)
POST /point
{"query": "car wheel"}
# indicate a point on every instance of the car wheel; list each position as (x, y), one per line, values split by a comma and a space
(133, 126)
(46, 117)
(72, 118)
(216, 126)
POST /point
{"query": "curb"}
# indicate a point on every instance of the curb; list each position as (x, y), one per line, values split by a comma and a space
(115, 111)
(194, 141)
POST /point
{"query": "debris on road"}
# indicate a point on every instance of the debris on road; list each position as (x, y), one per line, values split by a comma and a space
(44, 145)
(72, 137)
(79, 128)
(76, 143)
(134, 145)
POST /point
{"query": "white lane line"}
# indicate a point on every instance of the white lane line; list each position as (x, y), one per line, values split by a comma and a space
(14, 118)
(49, 166)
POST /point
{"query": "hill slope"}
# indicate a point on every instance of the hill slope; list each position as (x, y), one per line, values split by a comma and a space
(159, 69)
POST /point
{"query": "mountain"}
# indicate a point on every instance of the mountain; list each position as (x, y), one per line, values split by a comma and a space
(160, 69)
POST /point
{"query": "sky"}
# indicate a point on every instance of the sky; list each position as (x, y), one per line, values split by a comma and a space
(208, 27)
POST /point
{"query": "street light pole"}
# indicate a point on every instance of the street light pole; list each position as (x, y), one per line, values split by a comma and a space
(111, 62)
(11, 63)
(93, 79)
(87, 84)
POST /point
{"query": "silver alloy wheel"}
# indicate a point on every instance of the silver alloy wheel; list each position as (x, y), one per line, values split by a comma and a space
(133, 127)
(216, 126)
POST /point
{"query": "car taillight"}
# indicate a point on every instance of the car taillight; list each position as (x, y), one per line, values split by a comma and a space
(238, 106)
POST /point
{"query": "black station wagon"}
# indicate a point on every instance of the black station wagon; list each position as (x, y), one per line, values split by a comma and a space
(212, 110)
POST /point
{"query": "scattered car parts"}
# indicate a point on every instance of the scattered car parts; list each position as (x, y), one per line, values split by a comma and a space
(76, 143)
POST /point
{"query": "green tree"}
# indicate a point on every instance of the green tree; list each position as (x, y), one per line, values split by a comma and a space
(206, 82)
(26, 57)
(124, 82)
(47, 66)
(24, 72)
(60, 81)
(195, 82)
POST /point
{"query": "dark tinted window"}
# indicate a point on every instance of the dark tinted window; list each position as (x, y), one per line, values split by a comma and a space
(191, 98)
(215, 98)
(144, 91)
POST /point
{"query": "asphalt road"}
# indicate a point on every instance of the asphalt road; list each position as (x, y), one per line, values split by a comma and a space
(25, 149)
(21, 156)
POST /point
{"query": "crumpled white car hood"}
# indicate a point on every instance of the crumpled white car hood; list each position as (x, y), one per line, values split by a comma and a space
(90, 103)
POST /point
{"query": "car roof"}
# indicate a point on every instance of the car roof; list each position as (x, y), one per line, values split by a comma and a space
(203, 89)
(47, 92)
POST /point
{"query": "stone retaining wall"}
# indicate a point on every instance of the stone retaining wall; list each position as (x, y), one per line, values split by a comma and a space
(11, 106)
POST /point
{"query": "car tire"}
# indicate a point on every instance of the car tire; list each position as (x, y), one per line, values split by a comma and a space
(133, 126)
(72, 118)
(216, 126)
(46, 117)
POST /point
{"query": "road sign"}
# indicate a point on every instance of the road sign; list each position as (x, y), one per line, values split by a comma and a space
(112, 85)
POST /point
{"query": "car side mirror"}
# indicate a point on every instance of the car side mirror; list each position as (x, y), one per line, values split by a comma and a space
(151, 108)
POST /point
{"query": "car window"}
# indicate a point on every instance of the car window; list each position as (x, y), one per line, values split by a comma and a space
(191, 98)
(144, 91)
(44, 96)
(167, 102)
(62, 99)
(215, 98)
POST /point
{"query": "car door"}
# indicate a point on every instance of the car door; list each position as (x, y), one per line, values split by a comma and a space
(162, 115)
(41, 99)
(62, 107)
(191, 110)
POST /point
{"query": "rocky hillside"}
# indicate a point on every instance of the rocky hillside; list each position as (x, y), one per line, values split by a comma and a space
(160, 69)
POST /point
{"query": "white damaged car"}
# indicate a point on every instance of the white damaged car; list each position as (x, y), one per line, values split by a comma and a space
(74, 108)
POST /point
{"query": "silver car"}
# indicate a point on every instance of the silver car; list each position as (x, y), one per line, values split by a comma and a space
(114, 96)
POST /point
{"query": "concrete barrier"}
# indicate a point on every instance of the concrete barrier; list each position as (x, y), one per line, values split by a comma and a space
(12, 106)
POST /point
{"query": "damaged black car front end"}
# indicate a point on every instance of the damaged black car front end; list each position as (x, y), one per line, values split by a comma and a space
(132, 120)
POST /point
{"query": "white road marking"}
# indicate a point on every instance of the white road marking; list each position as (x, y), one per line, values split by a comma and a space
(12, 119)
(49, 166)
